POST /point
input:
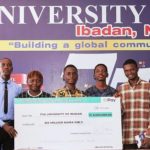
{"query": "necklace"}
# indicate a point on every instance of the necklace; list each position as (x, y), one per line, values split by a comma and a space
(35, 95)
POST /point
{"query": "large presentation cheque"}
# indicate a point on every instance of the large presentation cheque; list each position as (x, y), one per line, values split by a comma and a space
(68, 123)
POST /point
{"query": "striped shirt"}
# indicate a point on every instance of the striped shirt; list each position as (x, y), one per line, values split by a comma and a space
(136, 107)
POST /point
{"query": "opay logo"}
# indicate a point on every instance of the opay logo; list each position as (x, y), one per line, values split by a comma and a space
(109, 99)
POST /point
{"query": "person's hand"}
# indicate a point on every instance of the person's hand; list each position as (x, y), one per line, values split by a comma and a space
(148, 132)
(146, 143)
(10, 130)
(117, 94)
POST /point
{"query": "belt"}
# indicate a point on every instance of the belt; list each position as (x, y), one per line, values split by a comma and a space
(130, 146)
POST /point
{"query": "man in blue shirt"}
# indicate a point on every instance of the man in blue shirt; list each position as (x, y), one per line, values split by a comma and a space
(7, 131)
(100, 88)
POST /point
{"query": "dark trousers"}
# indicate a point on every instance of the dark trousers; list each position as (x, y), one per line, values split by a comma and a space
(6, 142)
(130, 146)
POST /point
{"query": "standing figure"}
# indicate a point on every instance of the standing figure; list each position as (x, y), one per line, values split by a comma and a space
(135, 98)
(8, 91)
(70, 77)
(100, 88)
(34, 82)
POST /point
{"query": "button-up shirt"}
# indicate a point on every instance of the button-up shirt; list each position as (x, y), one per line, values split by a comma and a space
(13, 91)
(136, 107)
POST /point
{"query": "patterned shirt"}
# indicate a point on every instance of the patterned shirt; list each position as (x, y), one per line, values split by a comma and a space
(26, 94)
(94, 91)
(136, 107)
(65, 92)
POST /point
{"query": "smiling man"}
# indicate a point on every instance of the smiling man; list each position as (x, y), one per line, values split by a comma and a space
(8, 91)
(100, 88)
(135, 98)
(70, 77)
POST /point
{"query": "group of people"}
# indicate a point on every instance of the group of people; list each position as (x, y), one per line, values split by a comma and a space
(134, 96)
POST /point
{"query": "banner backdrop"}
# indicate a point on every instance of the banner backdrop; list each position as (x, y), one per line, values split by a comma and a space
(65, 20)
(51, 65)
(47, 35)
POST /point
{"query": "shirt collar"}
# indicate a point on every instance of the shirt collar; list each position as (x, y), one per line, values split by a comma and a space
(66, 88)
(2, 80)
(138, 82)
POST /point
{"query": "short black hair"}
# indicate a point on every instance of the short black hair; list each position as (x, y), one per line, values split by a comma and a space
(100, 65)
(130, 61)
(72, 66)
(7, 59)
(35, 73)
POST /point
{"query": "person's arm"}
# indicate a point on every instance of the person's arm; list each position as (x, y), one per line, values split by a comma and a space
(54, 94)
(146, 141)
(58, 93)
(118, 94)
(19, 90)
(10, 130)
(147, 133)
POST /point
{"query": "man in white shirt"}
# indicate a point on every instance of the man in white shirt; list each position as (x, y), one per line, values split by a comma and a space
(7, 131)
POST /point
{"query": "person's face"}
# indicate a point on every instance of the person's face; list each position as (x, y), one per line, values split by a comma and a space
(131, 71)
(34, 83)
(5, 68)
(70, 75)
(100, 73)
